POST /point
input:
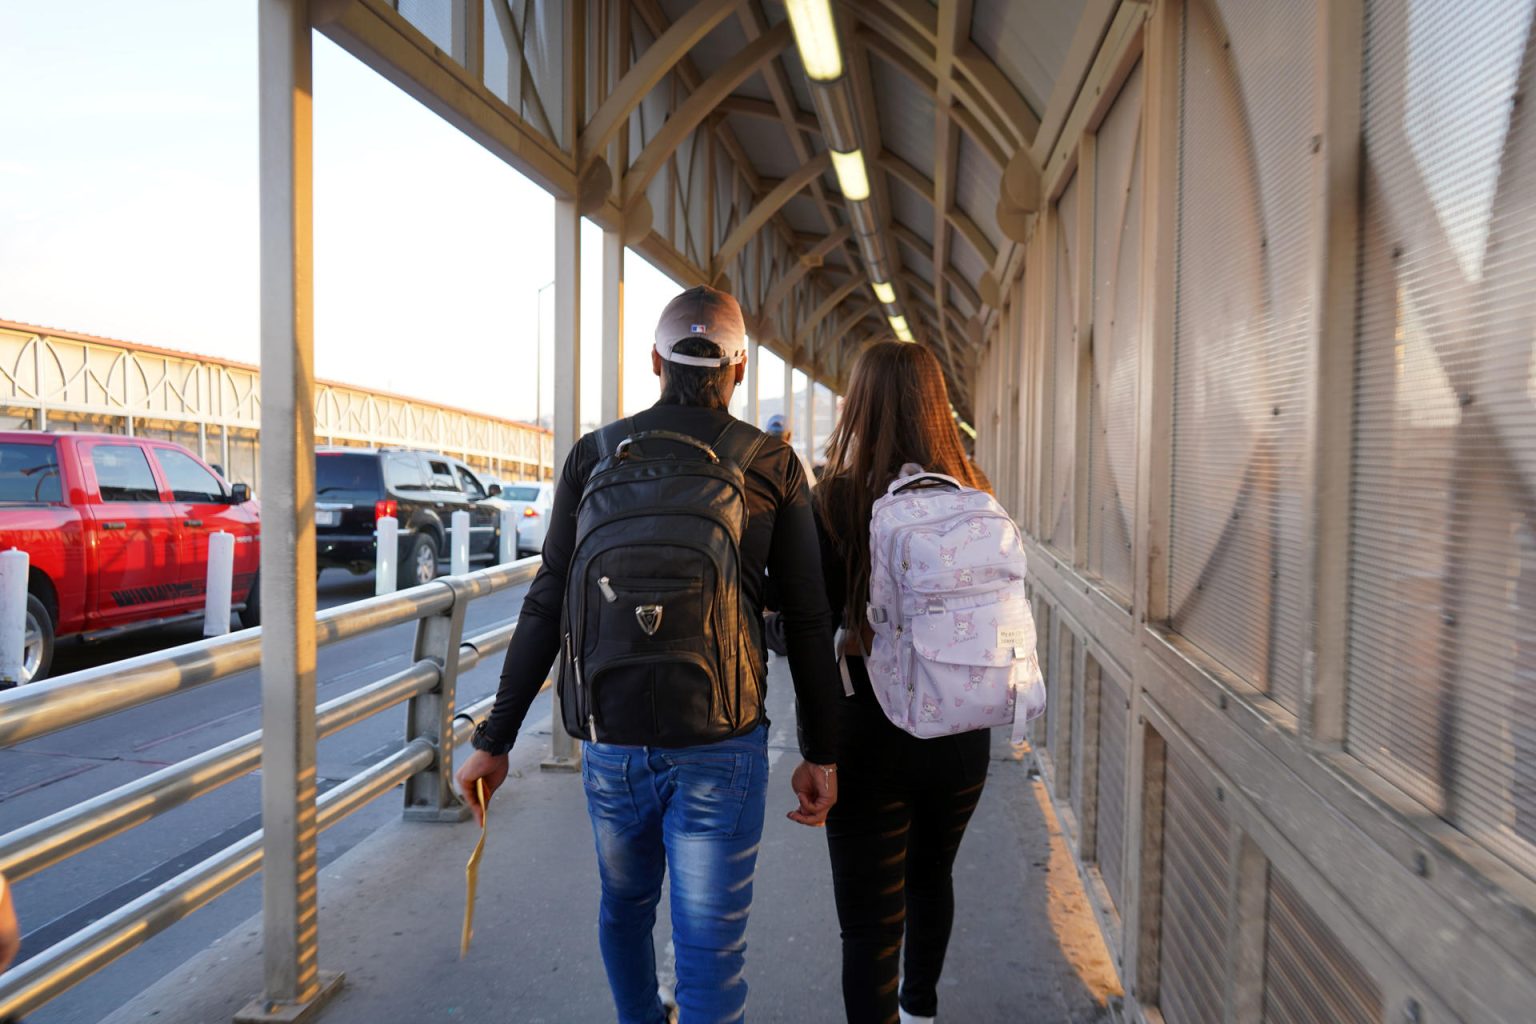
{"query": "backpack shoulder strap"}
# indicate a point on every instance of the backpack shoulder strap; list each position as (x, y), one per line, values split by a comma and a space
(739, 443)
(610, 437)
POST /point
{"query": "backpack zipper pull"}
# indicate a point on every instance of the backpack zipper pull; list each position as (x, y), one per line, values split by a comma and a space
(608, 592)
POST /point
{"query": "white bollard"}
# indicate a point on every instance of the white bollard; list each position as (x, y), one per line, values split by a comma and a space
(221, 583)
(508, 535)
(458, 565)
(386, 537)
(13, 617)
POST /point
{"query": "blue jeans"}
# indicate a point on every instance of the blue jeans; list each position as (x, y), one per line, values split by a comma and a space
(699, 809)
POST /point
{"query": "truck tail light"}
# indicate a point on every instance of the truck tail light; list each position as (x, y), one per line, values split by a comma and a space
(385, 508)
(529, 512)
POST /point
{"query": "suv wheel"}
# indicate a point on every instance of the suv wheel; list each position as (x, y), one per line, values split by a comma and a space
(37, 647)
(250, 615)
(420, 566)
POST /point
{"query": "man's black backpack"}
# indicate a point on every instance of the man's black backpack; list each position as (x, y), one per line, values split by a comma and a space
(657, 649)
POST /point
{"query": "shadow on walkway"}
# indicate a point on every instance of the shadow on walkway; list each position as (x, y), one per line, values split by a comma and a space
(1025, 948)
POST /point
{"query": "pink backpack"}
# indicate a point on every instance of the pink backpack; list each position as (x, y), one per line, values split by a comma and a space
(954, 638)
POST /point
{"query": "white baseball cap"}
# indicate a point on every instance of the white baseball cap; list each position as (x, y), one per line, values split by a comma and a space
(703, 312)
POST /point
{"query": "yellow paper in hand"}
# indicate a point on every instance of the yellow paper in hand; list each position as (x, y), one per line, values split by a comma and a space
(472, 872)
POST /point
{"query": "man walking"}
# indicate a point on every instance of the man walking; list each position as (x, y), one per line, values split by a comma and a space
(651, 596)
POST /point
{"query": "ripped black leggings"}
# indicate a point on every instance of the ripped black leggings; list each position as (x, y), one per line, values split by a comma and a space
(903, 806)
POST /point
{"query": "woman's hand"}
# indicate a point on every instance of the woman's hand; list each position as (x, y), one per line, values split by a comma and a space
(815, 786)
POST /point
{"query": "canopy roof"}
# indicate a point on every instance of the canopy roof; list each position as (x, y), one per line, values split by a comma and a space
(692, 127)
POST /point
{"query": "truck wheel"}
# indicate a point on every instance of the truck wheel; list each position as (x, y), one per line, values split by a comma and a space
(250, 615)
(420, 565)
(37, 650)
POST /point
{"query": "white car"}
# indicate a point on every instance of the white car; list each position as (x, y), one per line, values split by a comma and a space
(532, 503)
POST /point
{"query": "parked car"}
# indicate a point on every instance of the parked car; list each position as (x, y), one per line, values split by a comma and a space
(116, 529)
(356, 487)
(532, 503)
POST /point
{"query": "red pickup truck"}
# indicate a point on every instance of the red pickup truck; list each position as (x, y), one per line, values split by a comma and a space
(116, 529)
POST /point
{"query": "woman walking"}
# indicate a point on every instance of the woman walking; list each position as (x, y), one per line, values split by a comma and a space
(904, 802)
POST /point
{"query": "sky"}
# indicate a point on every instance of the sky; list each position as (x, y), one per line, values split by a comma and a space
(129, 209)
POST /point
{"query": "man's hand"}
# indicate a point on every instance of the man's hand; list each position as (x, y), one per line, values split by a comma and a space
(480, 765)
(815, 786)
(10, 931)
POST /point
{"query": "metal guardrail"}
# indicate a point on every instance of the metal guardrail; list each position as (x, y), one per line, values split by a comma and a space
(37, 710)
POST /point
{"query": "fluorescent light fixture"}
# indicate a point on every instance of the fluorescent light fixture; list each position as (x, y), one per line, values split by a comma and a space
(899, 324)
(850, 175)
(885, 293)
(816, 38)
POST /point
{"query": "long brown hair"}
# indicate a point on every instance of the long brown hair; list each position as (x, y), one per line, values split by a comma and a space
(896, 411)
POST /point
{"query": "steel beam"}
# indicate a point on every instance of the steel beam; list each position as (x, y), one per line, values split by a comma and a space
(699, 105)
(765, 111)
(613, 326)
(811, 258)
(754, 379)
(291, 980)
(563, 753)
(919, 182)
(766, 207)
(648, 72)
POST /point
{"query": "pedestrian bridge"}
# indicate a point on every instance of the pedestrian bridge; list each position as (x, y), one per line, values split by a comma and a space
(1234, 298)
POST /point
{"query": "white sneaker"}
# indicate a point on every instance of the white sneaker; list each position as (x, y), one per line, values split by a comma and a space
(907, 1018)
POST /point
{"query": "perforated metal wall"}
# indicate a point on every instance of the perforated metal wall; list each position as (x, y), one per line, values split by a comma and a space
(1064, 371)
(1085, 743)
(1442, 683)
(1042, 614)
(1060, 698)
(1244, 312)
(1191, 975)
(1117, 205)
(1309, 976)
(1109, 804)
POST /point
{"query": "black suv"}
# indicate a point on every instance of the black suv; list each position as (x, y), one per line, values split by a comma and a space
(356, 487)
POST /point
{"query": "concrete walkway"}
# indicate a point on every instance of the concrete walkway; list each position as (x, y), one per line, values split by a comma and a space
(1024, 947)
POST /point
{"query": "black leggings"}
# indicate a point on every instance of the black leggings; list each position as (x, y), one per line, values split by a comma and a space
(902, 808)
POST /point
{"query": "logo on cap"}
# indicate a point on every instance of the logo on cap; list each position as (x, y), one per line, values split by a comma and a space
(698, 328)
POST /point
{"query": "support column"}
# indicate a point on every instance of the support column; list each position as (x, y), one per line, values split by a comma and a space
(293, 988)
(563, 755)
(613, 326)
(809, 430)
(789, 395)
(753, 371)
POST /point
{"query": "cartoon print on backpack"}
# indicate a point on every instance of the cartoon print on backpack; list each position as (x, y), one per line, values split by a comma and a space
(965, 627)
(969, 633)
(976, 529)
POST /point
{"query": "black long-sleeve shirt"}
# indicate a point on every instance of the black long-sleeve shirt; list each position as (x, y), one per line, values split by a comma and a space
(780, 535)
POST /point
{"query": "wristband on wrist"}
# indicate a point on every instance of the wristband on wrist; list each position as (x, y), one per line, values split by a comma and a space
(480, 741)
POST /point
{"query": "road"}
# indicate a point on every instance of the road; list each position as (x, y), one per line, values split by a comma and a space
(42, 776)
